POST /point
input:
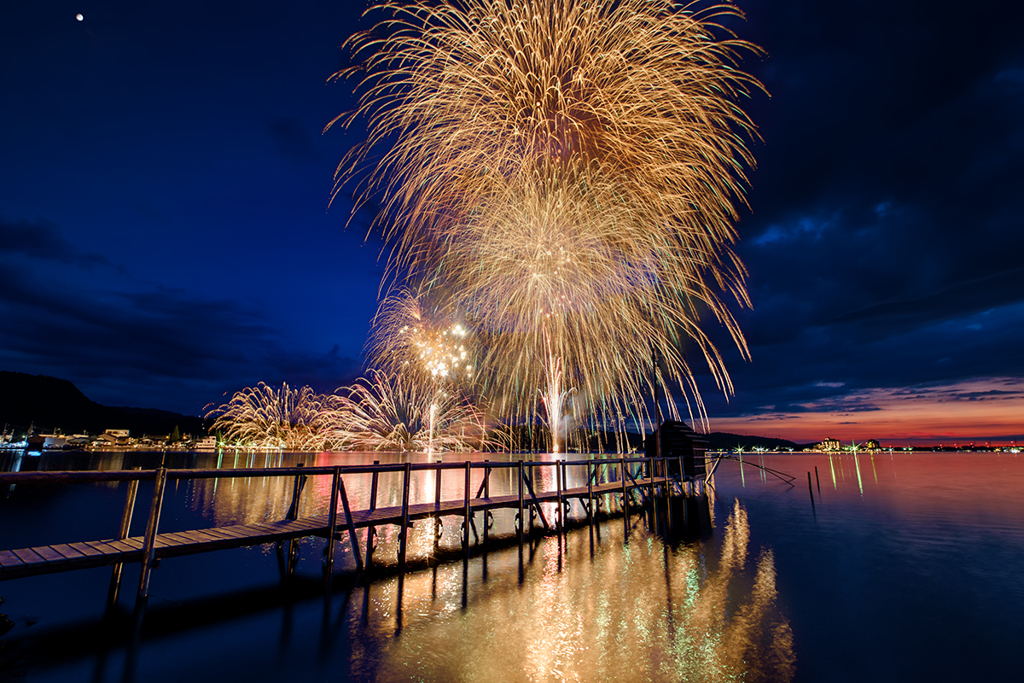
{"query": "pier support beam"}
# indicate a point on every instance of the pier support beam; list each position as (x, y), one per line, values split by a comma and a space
(371, 530)
(126, 522)
(149, 541)
(403, 534)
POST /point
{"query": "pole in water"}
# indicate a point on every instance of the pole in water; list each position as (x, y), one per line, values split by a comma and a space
(816, 480)
(810, 489)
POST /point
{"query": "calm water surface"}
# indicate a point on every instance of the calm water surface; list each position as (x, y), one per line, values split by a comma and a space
(907, 567)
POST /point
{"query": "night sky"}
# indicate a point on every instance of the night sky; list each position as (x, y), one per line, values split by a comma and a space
(165, 235)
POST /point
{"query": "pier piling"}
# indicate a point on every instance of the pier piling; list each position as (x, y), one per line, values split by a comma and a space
(149, 543)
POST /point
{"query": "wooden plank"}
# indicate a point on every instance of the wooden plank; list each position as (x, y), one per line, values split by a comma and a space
(85, 549)
(310, 523)
(67, 551)
(204, 536)
(49, 554)
(123, 546)
(179, 537)
(236, 535)
(229, 532)
(9, 559)
(29, 556)
(104, 548)
(190, 538)
(218, 532)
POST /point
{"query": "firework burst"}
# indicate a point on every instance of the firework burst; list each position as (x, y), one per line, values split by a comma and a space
(387, 412)
(415, 335)
(568, 170)
(275, 418)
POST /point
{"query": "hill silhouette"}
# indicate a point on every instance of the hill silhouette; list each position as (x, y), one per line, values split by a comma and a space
(57, 404)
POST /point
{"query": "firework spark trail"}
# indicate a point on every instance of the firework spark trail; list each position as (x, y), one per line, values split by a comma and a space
(567, 170)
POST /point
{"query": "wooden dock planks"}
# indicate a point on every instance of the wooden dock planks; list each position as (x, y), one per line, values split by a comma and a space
(80, 555)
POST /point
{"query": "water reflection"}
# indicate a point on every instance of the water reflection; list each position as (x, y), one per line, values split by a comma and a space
(640, 611)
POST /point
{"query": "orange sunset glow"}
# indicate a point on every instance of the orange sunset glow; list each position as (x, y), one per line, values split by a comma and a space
(984, 410)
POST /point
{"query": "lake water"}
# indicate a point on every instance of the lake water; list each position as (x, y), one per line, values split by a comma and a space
(906, 567)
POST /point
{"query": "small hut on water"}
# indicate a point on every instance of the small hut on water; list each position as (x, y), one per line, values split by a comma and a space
(678, 440)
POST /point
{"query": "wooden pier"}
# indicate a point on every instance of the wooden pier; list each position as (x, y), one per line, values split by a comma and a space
(637, 482)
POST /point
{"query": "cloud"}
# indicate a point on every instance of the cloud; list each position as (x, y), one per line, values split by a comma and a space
(884, 241)
(161, 347)
(41, 239)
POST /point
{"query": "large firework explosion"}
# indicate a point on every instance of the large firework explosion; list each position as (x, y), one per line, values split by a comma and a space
(389, 412)
(567, 170)
(277, 418)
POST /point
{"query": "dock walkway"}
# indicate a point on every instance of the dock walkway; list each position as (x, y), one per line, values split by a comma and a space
(62, 557)
(604, 477)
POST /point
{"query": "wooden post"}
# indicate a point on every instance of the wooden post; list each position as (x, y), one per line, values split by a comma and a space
(350, 523)
(522, 521)
(654, 501)
(300, 483)
(126, 523)
(682, 490)
(558, 486)
(625, 500)
(149, 542)
(332, 525)
(535, 508)
(403, 535)
(487, 496)
(370, 530)
(437, 488)
(590, 492)
(466, 512)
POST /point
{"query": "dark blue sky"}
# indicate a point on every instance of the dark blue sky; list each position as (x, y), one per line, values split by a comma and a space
(165, 236)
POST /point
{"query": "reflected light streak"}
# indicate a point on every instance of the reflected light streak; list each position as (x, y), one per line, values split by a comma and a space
(860, 482)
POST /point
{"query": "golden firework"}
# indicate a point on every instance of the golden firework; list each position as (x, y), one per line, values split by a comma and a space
(267, 417)
(416, 336)
(387, 412)
(568, 171)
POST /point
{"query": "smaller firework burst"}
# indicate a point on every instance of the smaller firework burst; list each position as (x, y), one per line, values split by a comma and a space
(414, 337)
(266, 417)
(388, 412)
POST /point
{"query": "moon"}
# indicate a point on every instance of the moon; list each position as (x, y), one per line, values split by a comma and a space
(79, 17)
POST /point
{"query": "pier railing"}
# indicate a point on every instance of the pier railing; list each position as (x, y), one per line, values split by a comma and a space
(634, 482)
